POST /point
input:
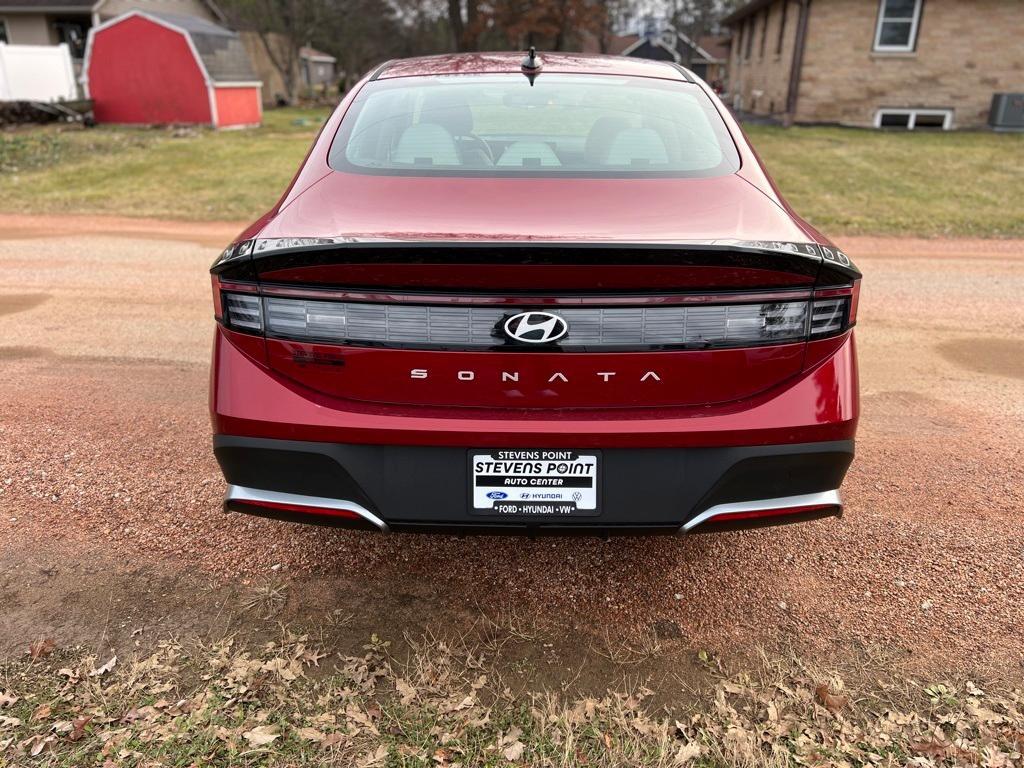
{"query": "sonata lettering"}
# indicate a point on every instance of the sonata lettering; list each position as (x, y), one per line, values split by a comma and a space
(604, 376)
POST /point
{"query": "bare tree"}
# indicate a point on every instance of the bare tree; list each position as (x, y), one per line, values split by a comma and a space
(283, 27)
(466, 23)
(611, 18)
(421, 27)
(557, 25)
(363, 33)
(696, 18)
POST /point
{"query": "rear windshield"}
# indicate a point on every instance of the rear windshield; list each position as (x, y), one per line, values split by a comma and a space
(562, 125)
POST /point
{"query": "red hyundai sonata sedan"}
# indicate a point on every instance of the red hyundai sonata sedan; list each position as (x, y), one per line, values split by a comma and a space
(558, 293)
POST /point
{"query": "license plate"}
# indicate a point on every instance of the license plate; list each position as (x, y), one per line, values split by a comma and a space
(534, 483)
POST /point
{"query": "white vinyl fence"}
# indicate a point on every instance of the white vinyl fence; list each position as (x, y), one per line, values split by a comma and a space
(36, 73)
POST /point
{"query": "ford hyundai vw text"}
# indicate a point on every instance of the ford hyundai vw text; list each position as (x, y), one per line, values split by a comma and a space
(563, 297)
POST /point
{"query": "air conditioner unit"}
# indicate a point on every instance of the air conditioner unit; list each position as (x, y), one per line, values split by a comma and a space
(1007, 112)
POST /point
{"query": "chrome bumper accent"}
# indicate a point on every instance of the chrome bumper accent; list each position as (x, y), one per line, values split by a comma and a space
(240, 493)
(735, 507)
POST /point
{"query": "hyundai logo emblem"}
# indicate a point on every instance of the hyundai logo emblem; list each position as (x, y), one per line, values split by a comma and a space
(536, 327)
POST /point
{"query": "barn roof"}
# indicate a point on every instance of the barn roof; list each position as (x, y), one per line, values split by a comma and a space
(221, 50)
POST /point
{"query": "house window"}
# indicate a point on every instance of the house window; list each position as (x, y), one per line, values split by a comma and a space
(749, 34)
(782, 28)
(915, 119)
(74, 33)
(3, 32)
(897, 25)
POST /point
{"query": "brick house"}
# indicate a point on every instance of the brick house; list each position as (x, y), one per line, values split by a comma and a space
(875, 63)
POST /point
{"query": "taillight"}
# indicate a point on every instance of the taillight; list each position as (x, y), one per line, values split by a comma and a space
(828, 317)
(833, 311)
(854, 302)
(218, 306)
(243, 312)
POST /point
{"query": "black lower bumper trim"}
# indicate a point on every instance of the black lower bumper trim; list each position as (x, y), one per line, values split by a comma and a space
(648, 490)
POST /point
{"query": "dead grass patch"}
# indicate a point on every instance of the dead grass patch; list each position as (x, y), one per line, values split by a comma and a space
(445, 703)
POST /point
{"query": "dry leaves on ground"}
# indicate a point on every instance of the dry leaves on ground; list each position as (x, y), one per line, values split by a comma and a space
(447, 705)
(40, 649)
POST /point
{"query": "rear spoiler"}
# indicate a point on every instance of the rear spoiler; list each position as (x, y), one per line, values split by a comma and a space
(245, 260)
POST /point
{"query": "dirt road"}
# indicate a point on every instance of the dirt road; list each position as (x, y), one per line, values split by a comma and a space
(109, 494)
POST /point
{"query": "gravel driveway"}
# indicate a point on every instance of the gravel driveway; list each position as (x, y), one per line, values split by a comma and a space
(104, 448)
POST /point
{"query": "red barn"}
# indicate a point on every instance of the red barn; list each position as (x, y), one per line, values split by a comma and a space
(148, 67)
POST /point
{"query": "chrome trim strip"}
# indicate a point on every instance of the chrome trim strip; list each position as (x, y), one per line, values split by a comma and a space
(240, 493)
(266, 245)
(731, 508)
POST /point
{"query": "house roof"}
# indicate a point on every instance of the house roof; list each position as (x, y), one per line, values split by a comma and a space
(221, 50)
(716, 46)
(307, 52)
(745, 10)
(47, 5)
(674, 45)
(84, 6)
(619, 43)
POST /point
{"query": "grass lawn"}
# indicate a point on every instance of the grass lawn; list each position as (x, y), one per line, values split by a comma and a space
(844, 181)
(191, 174)
(849, 181)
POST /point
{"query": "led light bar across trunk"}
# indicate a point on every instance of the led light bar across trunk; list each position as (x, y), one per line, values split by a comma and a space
(623, 328)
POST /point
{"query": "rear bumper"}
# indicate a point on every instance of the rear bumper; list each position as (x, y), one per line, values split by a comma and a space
(416, 488)
(293, 453)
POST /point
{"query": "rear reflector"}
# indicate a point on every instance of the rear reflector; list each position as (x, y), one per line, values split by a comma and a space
(760, 514)
(346, 514)
(780, 510)
(294, 506)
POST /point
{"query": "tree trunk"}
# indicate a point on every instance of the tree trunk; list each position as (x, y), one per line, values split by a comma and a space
(472, 25)
(285, 68)
(456, 24)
